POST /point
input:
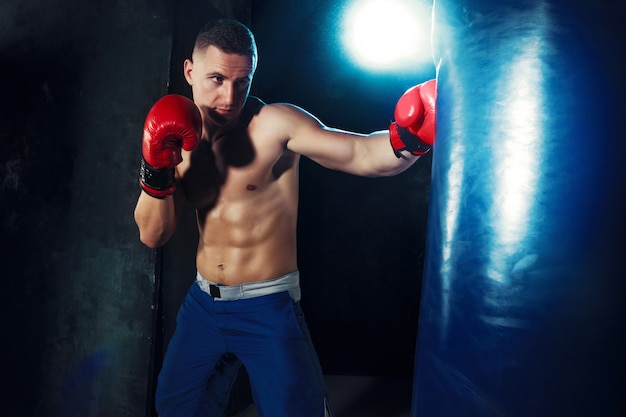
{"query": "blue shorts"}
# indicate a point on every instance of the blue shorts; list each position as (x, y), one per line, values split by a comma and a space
(267, 333)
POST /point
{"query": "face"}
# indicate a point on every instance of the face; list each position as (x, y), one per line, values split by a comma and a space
(220, 83)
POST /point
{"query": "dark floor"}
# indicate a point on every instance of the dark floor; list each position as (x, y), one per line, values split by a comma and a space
(364, 396)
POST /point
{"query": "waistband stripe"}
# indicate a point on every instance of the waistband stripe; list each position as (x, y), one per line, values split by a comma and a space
(289, 282)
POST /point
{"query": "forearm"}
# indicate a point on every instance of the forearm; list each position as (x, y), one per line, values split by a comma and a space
(174, 123)
(379, 159)
(156, 219)
(392, 151)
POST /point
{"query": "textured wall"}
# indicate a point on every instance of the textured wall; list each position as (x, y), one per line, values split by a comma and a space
(78, 78)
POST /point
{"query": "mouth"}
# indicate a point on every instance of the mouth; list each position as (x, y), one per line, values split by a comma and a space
(223, 112)
(220, 116)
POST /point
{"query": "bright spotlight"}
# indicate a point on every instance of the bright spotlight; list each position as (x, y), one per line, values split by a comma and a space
(388, 34)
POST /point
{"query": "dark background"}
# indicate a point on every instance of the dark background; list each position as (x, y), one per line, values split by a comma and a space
(87, 309)
(84, 324)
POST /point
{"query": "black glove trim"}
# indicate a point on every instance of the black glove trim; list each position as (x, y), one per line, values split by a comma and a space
(412, 142)
(156, 179)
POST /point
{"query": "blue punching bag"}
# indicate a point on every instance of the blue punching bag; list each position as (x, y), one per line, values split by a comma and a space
(522, 309)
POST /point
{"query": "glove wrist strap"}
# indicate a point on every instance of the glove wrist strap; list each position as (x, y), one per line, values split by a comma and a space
(156, 182)
(403, 140)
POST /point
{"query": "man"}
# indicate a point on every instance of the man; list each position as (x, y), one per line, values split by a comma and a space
(239, 170)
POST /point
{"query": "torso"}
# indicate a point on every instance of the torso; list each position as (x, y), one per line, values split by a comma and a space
(244, 187)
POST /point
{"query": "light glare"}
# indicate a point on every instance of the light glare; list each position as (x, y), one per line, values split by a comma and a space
(388, 34)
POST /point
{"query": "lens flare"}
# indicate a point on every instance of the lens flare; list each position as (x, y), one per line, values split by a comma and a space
(388, 34)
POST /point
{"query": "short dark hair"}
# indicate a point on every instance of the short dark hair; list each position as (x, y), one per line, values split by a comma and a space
(229, 35)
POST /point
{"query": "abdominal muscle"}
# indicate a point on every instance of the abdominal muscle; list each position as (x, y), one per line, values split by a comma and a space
(249, 238)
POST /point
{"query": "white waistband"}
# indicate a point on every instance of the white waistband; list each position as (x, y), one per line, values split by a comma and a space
(288, 282)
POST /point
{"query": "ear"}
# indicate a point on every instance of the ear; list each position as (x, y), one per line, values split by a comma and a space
(187, 69)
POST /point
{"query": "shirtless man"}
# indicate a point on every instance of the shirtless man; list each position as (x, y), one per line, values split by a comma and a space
(239, 170)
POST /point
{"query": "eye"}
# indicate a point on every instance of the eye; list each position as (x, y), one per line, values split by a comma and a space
(217, 79)
(243, 84)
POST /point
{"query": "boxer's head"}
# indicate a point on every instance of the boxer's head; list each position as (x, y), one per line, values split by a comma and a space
(221, 68)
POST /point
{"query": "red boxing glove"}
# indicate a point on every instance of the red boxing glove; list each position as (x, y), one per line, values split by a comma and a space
(174, 122)
(414, 128)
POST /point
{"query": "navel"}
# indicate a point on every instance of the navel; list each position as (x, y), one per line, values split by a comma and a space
(251, 187)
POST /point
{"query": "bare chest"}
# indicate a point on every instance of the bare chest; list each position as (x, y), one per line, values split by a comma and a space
(234, 167)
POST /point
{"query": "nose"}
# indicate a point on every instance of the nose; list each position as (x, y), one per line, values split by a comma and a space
(228, 94)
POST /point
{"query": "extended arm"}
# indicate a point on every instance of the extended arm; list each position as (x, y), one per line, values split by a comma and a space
(381, 153)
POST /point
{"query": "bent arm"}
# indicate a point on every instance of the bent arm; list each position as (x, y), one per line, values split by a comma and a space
(368, 155)
(157, 218)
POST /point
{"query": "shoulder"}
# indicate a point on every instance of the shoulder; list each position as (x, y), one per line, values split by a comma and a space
(284, 123)
(287, 117)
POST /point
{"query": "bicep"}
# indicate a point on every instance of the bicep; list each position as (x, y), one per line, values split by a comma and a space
(329, 147)
(354, 153)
